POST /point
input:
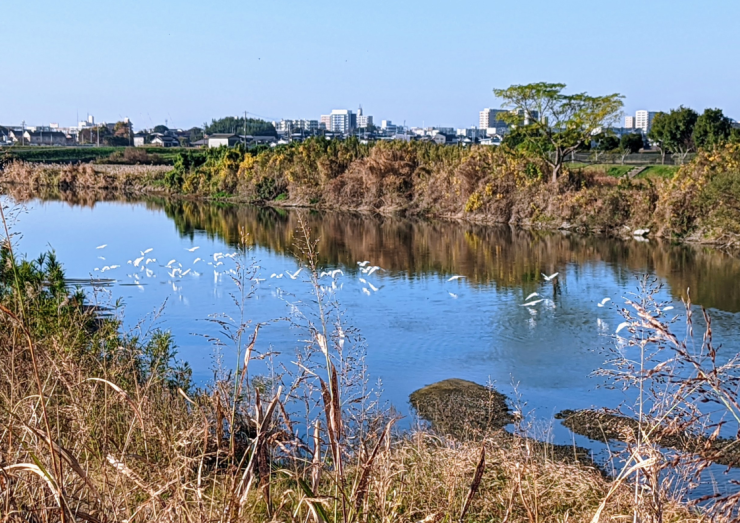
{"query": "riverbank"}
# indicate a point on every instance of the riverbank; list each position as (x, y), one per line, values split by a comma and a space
(479, 185)
(106, 426)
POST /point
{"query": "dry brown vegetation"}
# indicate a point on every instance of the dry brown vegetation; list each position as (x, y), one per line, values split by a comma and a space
(477, 184)
(83, 176)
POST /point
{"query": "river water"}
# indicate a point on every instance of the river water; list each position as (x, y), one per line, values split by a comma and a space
(418, 327)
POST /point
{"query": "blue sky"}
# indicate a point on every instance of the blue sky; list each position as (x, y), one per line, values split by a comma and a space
(423, 62)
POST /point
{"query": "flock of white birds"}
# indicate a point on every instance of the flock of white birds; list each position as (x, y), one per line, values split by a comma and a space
(144, 268)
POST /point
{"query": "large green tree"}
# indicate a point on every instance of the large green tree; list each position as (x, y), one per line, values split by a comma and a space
(674, 130)
(564, 122)
(712, 128)
(250, 126)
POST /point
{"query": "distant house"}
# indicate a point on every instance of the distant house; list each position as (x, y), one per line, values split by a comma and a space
(42, 138)
(165, 141)
(203, 142)
(140, 139)
(444, 139)
(217, 140)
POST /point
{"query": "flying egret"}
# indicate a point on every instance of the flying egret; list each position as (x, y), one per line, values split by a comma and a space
(531, 303)
(363, 263)
(276, 276)
(217, 256)
(622, 326)
(531, 296)
(149, 273)
(193, 249)
(102, 246)
(295, 274)
(196, 261)
(603, 302)
(549, 278)
(455, 277)
(186, 272)
(452, 294)
(370, 270)
(101, 258)
(169, 264)
(144, 253)
(365, 291)
(669, 308)
(137, 261)
(150, 260)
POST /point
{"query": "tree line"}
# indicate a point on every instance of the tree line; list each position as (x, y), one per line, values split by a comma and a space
(547, 122)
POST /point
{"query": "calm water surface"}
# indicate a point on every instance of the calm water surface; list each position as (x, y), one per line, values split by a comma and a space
(418, 327)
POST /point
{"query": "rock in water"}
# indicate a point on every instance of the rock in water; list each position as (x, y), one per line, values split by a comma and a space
(461, 408)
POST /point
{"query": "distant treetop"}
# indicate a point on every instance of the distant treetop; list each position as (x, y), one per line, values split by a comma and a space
(230, 124)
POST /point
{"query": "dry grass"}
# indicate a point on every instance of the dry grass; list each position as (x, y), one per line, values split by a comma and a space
(83, 176)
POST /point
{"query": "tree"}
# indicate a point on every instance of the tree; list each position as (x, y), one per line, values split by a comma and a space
(631, 142)
(674, 131)
(605, 142)
(712, 128)
(250, 126)
(160, 129)
(564, 122)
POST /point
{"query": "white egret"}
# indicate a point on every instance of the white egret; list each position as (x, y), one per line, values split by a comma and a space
(137, 261)
(621, 326)
(144, 253)
(169, 264)
(452, 294)
(603, 302)
(149, 273)
(455, 277)
(531, 296)
(276, 276)
(196, 261)
(295, 274)
(669, 308)
(102, 246)
(193, 249)
(531, 303)
(101, 258)
(370, 270)
(365, 291)
(550, 277)
(363, 263)
(186, 272)
(150, 260)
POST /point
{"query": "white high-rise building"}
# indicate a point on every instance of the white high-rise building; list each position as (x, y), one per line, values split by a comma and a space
(363, 120)
(629, 122)
(644, 120)
(489, 118)
(342, 121)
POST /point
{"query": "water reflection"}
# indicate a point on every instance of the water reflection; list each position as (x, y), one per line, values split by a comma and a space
(486, 255)
(499, 256)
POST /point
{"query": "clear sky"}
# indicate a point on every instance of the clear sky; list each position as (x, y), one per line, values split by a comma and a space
(423, 62)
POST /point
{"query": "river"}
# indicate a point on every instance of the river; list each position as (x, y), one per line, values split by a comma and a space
(418, 327)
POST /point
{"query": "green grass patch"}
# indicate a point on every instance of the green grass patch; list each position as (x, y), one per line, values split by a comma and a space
(659, 171)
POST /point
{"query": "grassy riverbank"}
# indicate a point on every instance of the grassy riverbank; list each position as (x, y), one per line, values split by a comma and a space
(697, 202)
(98, 425)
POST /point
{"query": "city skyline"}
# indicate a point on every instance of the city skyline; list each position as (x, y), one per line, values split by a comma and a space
(413, 62)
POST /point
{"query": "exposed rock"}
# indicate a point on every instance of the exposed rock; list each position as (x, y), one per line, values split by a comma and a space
(604, 426)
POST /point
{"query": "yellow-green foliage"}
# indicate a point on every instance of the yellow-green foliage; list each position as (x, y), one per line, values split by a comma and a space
(704, 196)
